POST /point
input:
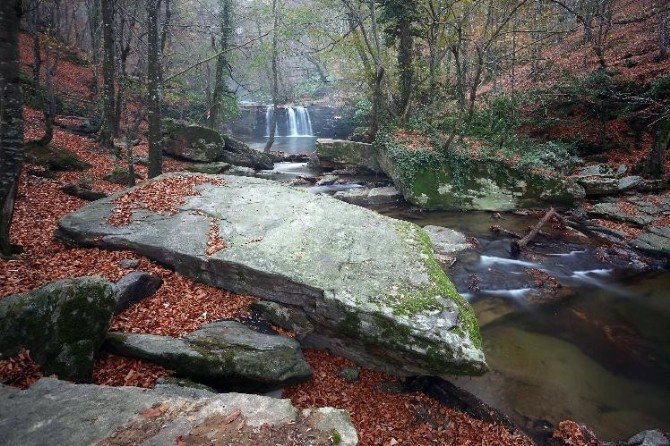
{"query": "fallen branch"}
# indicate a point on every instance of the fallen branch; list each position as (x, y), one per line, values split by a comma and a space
(496, 229)
(518, 245)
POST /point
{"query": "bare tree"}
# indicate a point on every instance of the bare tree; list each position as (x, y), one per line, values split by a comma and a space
(154, 79)
(273, 117)
(109, 110)
(220, 89)
(11, 119)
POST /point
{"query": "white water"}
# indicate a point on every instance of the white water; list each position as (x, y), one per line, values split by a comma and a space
(304, 121)
(298, 122)
(292, 123)
(492, 260)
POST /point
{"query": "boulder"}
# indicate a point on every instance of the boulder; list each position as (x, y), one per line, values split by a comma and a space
(120, 176)
(223, 354)
(341, 154)
(431, 180)
(241, 154)
(630, 182)
(614, 212)
(192, 142)
(53, 412)
(134, 287)
(368, 284)
(55, 158)
(599, 186)
(63, 324)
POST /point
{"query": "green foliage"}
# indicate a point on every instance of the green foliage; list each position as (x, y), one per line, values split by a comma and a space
(362, 111)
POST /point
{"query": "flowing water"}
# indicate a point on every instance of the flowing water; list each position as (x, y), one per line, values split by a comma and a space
(596, 349)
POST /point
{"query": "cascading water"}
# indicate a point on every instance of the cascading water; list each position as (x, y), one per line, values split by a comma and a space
(292, 122)
(298, 122)
(268, 121)
(304, 121)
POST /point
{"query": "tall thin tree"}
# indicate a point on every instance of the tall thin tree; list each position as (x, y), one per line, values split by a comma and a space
(107, 130)
(11, 119)
(154, 80)
(220, 89)
(275, 55)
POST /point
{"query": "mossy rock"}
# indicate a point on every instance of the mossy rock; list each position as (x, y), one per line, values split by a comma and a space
(63, 324)
(340, 154)
(55, 158)
(432, 180)
(223, 354)
(191, 142)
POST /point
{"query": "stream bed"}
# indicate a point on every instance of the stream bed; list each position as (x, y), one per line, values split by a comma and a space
(593, 347)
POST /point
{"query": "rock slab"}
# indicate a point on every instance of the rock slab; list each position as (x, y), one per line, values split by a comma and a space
(63, 324)
(369, 285)
(222, 354)
(134, 287)
(53, 412)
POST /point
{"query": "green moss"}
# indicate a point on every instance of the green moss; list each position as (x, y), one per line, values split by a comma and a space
(336, 438)
(351, 325)
(391, 332)
(55, 158)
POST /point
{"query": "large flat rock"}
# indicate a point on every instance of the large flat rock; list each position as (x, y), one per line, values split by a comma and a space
(53, 412)
(369, 285)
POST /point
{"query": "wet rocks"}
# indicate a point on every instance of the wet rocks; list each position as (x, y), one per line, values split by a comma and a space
(238, 153)
(63, 324)
(370, 197)
(369, 285)
(53, 412)
(221, 354)
(215, 168)
(134, 287)
(340, 154)
(642, 220)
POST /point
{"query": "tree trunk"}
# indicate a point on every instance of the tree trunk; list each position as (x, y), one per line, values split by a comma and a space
(655, 166)
(663, 35)
(107, 130)
(11, 118)
(154, 90)
(273, 118)
(94, 30)
(221, 65)
(37, 46)
(405, 62)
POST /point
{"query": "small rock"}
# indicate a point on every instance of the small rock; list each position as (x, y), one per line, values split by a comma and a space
(327, 180)
(120, 176)
(349, 374)
(649, 438)
(621, 170)
(134, 287)
(129, 263)
(241, 171)
(82, 191)
(209, 168)
(390, 387)
(653, 185)
(446, 241)
(628, 183)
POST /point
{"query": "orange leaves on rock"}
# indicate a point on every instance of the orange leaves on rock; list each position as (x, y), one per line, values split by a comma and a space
(570, 433)
(20, 371)
(112, 370)
(233, 416)
(215, 242)
(162, 197)
(155, 411)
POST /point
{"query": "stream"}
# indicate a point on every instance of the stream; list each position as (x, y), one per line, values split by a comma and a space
(593, 347)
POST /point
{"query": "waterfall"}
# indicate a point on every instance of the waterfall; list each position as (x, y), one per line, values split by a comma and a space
(304, 121)
(292, 123)
(268, 121)
(299, 123)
